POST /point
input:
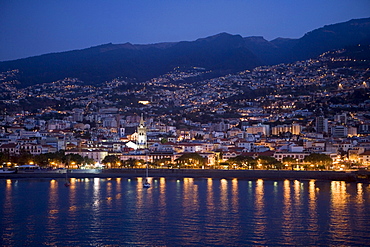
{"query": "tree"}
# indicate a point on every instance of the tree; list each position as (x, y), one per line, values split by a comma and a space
(59, 156)
(3, 158)
(242, 161)
(131, 163)
(50, 158)
(24, 157)
(111, 161)
(321, 161)
(164, 140)
(269, 162)
(289, 161)
(88, 161)
(161, 162)
(191, 159)
(73, 159)
(42, 160)
(225, 164)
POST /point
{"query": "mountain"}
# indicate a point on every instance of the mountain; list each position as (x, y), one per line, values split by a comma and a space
(222, 53)
(312, 44)
(331, 37)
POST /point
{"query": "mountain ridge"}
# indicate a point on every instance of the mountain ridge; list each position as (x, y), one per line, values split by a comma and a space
(220, 53)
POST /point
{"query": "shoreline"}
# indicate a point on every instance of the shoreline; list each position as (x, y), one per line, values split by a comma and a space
(348, 176)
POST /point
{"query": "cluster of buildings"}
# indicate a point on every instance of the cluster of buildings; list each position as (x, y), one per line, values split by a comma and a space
(130, 137)
(286, 110)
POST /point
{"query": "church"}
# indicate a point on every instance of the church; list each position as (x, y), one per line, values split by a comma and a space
(142, 134)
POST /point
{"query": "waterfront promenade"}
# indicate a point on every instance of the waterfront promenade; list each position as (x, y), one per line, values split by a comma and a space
(350, 176)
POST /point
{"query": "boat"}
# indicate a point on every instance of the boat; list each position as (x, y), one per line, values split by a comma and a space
(7, 170)
(146, 183)
(67, 183)
(28, 169)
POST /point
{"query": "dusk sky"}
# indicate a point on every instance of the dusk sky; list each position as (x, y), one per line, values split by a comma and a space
(36, 27)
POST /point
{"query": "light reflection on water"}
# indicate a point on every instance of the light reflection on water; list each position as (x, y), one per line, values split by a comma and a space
(259, 213)
(312, 209)
(339, 225)
(185, 211)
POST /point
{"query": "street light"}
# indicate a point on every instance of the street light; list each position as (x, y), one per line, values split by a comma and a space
(298, 168)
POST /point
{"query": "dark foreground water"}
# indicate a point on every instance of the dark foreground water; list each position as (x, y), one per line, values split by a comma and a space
(99, 212)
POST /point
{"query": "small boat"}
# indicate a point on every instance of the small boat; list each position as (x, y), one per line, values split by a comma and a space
(146, 183)
(7, 170)
(67, 183)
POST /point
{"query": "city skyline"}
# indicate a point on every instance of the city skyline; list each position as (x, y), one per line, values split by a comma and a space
(31, 29)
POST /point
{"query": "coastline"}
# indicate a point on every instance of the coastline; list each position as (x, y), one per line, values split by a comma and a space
(348, 176)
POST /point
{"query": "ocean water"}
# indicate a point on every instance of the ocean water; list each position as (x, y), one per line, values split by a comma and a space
(173, 212)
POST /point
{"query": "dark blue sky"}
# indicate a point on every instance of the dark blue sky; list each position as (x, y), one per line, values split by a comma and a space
(34, 27)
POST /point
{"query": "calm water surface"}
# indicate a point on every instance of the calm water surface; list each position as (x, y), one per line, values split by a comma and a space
(99, 212)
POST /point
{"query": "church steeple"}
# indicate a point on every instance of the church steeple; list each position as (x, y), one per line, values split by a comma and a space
(142, 120)
(142, 137)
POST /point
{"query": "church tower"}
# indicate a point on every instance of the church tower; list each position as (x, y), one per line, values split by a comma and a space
(141, 131)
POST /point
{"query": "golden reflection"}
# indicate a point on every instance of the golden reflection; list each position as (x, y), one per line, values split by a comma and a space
(96, 196)
(312, 207)
(297, 190)
(250, 187)
(188, 186)
(339, 225)
(223, 193)
(235, 195)
(53, 184)
(109, 193)
(139, 199)
(210, 200)
(53, 210)
(276, 187)
(190, 205)
(149, 192)
(97, 202)
(8, 209)
(190, 193)
(118, 191)
(360, 211)
(162, 199)
(287, 224)
(72, 197)
(360, 194)
(259, 205)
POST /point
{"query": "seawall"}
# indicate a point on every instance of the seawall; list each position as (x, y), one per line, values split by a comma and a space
(351, 176)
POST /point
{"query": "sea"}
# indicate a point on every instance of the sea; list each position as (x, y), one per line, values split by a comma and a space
(183, 212)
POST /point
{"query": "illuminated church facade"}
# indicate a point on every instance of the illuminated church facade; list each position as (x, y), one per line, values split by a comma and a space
(141, 134)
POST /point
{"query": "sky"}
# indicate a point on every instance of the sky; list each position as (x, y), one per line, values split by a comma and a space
(30, 28)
